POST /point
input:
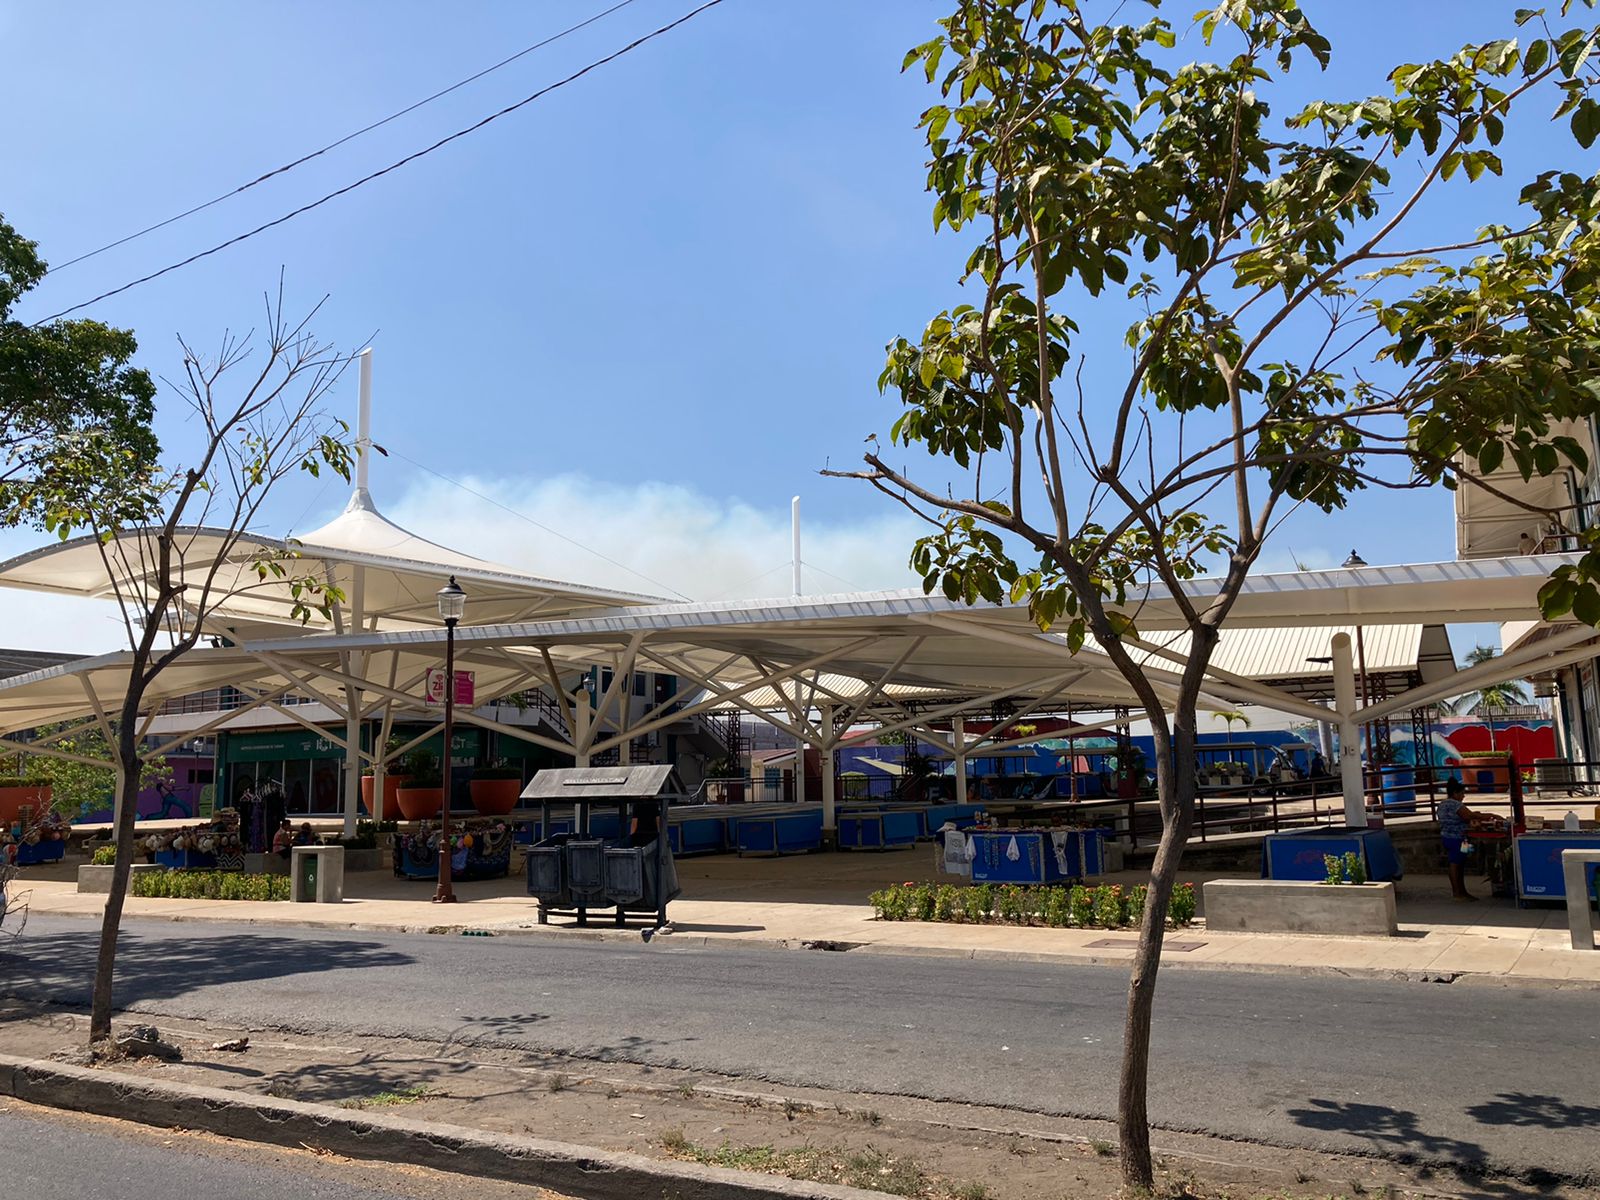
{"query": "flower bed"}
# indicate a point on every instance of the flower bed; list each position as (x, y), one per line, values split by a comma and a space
(1106, 907)
(210, 885)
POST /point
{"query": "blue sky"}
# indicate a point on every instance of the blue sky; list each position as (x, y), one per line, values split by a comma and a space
(644, 310)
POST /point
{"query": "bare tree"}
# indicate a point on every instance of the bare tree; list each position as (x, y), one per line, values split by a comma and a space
(1298, 328)
(258, 413)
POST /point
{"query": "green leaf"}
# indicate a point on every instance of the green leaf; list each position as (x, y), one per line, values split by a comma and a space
(1586, 122)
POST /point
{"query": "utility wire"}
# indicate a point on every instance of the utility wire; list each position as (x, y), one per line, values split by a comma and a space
(847, 582)
(460, 133)
(540, 525)
(349, 137)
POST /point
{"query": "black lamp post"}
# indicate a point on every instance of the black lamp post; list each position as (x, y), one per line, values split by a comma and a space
(452, 605)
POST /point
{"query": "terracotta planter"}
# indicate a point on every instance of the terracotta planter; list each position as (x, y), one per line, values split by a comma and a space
(14, 799)
(495, 797)
(391, 784)
(419, 804)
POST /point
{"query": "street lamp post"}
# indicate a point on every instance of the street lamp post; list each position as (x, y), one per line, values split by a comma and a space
(452, 605)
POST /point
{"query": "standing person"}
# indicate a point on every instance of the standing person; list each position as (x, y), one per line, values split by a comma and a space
(1453, 818)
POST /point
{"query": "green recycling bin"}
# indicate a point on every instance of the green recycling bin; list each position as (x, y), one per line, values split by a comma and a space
(307, 892)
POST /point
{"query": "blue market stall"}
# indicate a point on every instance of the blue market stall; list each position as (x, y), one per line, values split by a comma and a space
(1035, 855)
(1299, 854)
(1537, 856)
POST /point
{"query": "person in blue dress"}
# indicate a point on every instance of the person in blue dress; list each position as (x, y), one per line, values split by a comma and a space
(1453, 818)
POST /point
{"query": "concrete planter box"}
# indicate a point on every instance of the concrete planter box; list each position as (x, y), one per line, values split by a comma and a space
(1299, 906)
(366, 860)
(97, 880)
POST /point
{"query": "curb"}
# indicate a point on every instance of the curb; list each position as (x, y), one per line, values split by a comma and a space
(578, 1171)
(688, 938)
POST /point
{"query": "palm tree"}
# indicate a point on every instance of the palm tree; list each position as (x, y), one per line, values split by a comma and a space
(1489, 699)
(1230, 715)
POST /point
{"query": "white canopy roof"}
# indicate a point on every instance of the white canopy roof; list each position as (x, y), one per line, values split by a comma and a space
(389, 575)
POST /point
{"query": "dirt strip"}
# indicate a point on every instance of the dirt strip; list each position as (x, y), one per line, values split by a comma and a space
(914, 1148)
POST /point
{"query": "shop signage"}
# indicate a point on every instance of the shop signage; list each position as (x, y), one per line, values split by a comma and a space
(433, 691)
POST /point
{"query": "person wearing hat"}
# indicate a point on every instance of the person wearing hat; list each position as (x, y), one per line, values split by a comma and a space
(1453, 818)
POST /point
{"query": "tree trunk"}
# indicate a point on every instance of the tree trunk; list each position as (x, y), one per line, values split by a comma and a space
(1175, 782)
(128, 773)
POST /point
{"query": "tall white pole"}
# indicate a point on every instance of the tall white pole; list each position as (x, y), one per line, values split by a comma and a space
(800, 745)
(794, 533)
(364, 420)
(958, 731)
(1344, 702)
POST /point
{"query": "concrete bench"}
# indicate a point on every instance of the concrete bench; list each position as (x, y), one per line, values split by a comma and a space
(1574, 875)
(1300, 906)
(326, 865)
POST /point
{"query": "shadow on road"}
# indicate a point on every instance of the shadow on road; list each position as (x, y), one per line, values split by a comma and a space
(1397, 1133)
(1545, 1112)
(59, 967)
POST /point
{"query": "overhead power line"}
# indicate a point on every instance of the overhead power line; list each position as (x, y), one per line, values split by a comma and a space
(410, 158)
(349, 137)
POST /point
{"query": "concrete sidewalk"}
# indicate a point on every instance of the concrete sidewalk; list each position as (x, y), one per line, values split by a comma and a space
(822, 898)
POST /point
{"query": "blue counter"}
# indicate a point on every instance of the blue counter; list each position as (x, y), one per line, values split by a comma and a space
(1036, 855)
(697, 835)
(879, 830)
(775, 833)
(1538, 862)
(40, 852)
(1298, 855)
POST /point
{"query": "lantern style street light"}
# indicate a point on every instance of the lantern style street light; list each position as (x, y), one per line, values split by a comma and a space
(1355, 560)
(452, 606)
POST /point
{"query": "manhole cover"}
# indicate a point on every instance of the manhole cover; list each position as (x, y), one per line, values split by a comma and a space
(1133, 944)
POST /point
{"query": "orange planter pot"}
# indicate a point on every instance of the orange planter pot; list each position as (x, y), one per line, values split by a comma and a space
(495, 797)
(391, 785)
(419, 804)
(14, 799)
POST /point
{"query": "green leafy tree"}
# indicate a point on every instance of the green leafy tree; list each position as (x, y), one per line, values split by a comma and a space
(1491, 698)
(81, 783)
(74, 415)
(1300, 324)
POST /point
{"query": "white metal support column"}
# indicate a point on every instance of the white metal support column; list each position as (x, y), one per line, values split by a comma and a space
(958, 730)
(352, 693)
(1344, 702)
(829, 823)
(582, 712)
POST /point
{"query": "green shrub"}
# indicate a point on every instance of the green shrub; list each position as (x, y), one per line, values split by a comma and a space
(1110, 911)
(921, 905)
(210, 885)
(946, 902)
(977, 903)
(105, 856)
(1080, 907)
(1057, 908)
(1334, 866)
(1355, 867)
(1136, 901)
(1181, 908)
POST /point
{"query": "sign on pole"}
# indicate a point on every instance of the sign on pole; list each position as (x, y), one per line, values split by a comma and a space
(433, 689)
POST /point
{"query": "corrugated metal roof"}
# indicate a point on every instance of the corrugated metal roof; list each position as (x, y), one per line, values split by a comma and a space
(599, 783)
(1285, 653)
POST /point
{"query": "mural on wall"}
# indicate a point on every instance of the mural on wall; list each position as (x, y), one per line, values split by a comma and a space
(177, 800)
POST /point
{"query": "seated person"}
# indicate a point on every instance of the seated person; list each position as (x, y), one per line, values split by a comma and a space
(305, 837)
(283, 839)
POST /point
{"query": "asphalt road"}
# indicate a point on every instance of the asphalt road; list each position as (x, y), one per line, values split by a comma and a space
(1465, 1074)
(50, 1155)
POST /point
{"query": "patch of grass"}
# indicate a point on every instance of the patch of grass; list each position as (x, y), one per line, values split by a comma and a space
(869, 1116)
(686, 1090)
(674, 1141)
(870, 1168)
(410, 1095)
(558, 1083)
(790, 1108)
(1102, 1147)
